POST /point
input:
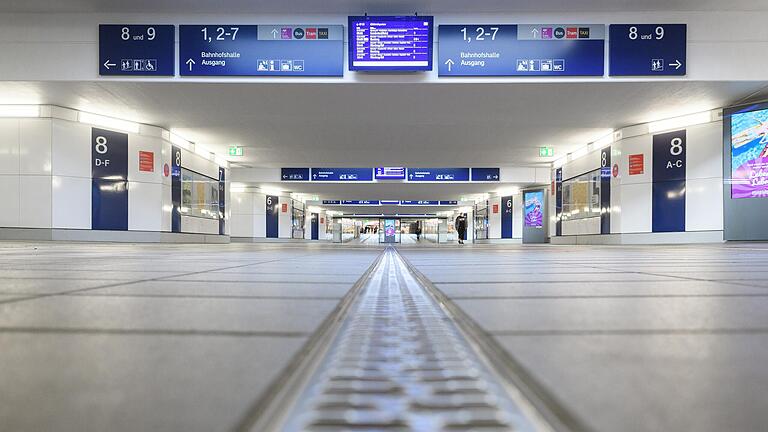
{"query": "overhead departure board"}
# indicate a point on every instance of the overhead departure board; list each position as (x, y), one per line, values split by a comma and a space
(136, 50)
(647, 49)
(395, 43)
(250, 50)
(521, 50)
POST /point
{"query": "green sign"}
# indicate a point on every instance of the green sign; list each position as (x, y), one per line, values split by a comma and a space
(235, 151)
(546, 152)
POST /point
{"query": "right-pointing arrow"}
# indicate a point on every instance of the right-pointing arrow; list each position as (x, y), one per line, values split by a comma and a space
(676, 64)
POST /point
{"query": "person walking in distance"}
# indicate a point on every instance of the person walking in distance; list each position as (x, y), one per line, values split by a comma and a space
(461, 227)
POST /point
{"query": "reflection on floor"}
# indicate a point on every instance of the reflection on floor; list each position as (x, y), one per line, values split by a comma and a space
(188, 337)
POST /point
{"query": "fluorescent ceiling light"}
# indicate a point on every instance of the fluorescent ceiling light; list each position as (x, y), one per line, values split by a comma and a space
(680, 122)
(580, 152)
(108, 122)
(603, 142)
(269, 190)
(19, 110)
(181, 142)
(508, 191)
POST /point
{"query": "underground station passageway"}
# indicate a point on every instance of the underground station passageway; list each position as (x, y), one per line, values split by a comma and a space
(423, 216)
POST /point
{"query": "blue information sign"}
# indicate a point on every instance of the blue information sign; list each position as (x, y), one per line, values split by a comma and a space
(294, 174)
(419, 203)
(521, 50)
(449, 203)
(389, 202)
(485, 174)
(438, 174)
(250, 50)
(647, 49)
(331, 202)
(342, 174)
(143, 50)
(360, 202)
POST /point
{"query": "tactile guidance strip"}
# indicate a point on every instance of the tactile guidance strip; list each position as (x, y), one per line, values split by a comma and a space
(398, 362)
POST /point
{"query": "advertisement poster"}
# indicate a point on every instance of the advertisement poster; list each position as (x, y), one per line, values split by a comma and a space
(389, 231)
(749, 154)
(534, 204)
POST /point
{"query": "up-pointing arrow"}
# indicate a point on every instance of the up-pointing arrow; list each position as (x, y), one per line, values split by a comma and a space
(190, 62)
(108, 64)
(274, 33)
(535, 32)
(449, 63)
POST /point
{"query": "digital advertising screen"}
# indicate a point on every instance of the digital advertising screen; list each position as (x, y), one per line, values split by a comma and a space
(749, 154)
(534, 209)
(390, 43)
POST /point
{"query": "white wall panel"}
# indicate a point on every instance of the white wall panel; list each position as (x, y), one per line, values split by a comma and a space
(494, 219)
(199, 164)
(704, 152)
(517, 220)
(704, 204)
(636, 145)
(9, 146)
(167, 209)
(71, 202)
(9, 191)
(71, 149)
(35, 138)
(145, 206)
(284, 227)
(584, 164)
(242, 203)
(636, 216)
(35, 201)
(137, 143)
(242, 225)
(199, 225)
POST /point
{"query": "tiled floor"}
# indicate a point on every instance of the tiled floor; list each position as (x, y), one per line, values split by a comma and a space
(101, 337)
(156, 338)
(662, 338)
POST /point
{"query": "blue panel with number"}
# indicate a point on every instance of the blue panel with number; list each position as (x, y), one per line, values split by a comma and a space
(521, 50)
(485, 174)
(438, 174)
(449, 203)
(270, 50)
(294, 174)
(647, 49)
(331, 202)
(342, 174)
(136, 50)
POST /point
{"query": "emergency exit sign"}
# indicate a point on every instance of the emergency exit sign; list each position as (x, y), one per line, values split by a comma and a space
(546, 152)
(235, 151)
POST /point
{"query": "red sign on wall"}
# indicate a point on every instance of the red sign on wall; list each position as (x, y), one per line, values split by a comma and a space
(146, 161)
(285, 207)
(322, 221)
(495, 208)
(636, 164)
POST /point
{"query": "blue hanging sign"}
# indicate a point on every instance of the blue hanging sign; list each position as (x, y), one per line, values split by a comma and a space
(136, 50)
(264, 50)
(438, 174)
(342, 174)
(647, 49)
(294, 174)
(485, 174)
(521, 50)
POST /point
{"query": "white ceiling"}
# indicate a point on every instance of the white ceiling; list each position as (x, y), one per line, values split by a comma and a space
(372, 6)
(416, 124)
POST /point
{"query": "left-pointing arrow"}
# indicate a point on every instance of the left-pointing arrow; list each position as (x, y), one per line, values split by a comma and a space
(108, 64)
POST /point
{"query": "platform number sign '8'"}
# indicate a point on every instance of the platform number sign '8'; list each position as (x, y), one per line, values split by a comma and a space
(669, 153)
(109, 154)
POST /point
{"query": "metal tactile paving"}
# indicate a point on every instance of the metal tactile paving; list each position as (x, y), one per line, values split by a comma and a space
(399, 362)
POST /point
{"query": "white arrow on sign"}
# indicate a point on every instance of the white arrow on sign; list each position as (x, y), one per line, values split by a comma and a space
(535, 32)
(676, 64)
(190, 62)
(107, 64)
(449, 62)
(274, 33)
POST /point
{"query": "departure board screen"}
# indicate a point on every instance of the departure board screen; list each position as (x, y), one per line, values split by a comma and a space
(390, 43)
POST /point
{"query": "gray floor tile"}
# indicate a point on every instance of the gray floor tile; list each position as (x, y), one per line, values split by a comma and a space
(650, 383)
(47, 286)
(228, 289)
(612, 314)
(116, 383)
(142, 313)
